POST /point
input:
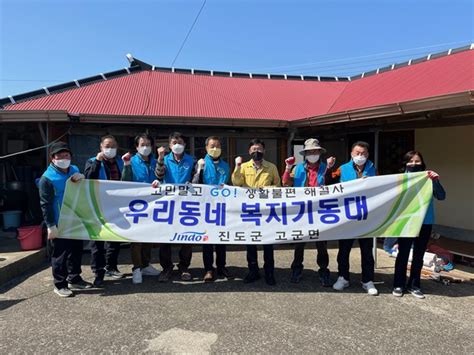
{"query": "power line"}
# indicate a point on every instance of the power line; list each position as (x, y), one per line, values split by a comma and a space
(189, 32)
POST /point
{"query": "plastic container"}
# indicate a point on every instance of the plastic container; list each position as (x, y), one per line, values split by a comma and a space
(11, 219)
(30, 237)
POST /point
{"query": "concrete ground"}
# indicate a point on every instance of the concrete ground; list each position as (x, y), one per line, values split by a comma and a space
(232, 317)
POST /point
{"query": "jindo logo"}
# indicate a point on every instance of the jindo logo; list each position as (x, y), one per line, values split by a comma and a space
(190, 237)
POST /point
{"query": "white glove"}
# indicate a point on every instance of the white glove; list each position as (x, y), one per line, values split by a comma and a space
(238, 161)
(76, 177)
(201, 164)
(155, 184)
(53, 232)
(330, 162)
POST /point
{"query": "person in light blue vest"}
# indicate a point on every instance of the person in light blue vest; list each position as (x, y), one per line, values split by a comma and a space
(176, 167)
(105, 166)
(213, 170)
(358, 167)
(413, 162)
(310, 173)
(141, 168)
(66, 254)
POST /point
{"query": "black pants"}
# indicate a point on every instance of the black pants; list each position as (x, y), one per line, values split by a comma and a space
(322, 258)
(252, 258)
(367, 258)
(185, 255)
(104, 255)
(66, 260)
(419, 247)
(208, 256)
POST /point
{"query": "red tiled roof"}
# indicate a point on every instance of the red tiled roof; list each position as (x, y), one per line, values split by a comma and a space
(163, 94)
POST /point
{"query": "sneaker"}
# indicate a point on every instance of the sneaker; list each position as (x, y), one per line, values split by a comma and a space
(296, 276)
(165, 275)
(325, 279)
(223, 272)
(415, 291)
(186, 275)
(252, 276)
(98, 281)
(137, 276)
(397, 292)
(63, 292)
(340, 284)
(81, 285)
(209, 276)
(370, 288)
(270, 278)
(150, 271)
(114, 273)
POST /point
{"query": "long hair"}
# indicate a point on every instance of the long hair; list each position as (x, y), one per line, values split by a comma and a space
(408, 156)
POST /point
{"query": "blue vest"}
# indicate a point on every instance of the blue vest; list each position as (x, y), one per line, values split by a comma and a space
(300, 176)
(102, 173)
(143, 172)
(215, 174)
(349, 173)
(58, 179)
(178, 173)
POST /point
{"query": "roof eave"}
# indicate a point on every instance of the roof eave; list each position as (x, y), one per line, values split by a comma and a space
(461, 99)
(33, 116)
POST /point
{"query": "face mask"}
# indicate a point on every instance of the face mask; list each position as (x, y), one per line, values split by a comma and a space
(62, 163)
(177, 149)
(110, 153)
(414, 168)
(313, 158)
(145, 151)
(256, 156)
(359, 160)
(214, 153)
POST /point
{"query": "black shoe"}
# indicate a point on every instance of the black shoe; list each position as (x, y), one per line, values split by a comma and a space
(325, 279)
(252, 276)
(415, 291)
(397, 292)
(296, 276)
(81, 285)
(270, 279)
(223, 272)
(98, 281)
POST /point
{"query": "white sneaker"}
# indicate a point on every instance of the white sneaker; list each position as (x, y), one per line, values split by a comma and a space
(370, 288)
(150, 271)
(340, 284)
(137, 276)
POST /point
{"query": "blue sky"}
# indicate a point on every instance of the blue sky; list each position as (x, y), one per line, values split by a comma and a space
(47, 42)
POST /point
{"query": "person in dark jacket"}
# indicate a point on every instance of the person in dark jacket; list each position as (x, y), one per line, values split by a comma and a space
(105, 166)
(213, 170)
(413, 162)
(66, 256)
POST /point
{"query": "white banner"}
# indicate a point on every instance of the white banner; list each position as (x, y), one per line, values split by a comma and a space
(384, 206)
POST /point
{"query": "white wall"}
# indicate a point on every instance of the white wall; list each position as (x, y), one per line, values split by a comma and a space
(450, 152)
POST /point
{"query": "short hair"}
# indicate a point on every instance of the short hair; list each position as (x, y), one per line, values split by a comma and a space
(361, 144)
(256, 141)
(144, 136)
(107, 136)
(175, 135)
(407, 157)
(212, 138)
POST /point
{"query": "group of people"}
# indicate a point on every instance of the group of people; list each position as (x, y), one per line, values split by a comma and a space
(178, 167)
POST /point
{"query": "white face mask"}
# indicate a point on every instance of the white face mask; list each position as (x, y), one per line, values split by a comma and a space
(177, 149)
(313, 158)
(359, 159)
(110, 152)
(62, 163)
(145, 151)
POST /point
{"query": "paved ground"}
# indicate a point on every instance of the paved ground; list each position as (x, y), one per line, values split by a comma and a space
(228, 316)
